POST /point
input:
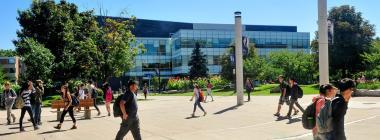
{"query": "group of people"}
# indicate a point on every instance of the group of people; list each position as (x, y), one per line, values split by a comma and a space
(29, 100)
(334, 104)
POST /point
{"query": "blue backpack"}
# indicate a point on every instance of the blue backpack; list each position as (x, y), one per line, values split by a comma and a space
(74, 101)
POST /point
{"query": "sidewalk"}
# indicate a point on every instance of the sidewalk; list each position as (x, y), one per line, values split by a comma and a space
(168, 118)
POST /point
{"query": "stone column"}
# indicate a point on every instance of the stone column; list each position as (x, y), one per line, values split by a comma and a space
(239, 59)
(323, 42)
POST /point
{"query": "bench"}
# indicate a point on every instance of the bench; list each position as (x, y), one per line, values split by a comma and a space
(86, 103)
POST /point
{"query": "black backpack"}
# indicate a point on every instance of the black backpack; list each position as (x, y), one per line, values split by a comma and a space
(300, 92)
(94, 93)
(116, 107)
(308, 117)
(74, 101)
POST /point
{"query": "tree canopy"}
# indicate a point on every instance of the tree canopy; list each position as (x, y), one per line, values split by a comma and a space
(198, 64)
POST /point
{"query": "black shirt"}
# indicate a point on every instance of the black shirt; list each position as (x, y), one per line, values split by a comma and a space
(339, 109)
(293, 91)
(131, 104)
(283, 86)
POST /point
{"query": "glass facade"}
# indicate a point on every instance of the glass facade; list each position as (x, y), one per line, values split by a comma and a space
(170, 54)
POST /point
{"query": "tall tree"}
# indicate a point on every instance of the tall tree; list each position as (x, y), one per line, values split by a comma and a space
(115, 44)
(253, 65)
(352, 37)
(372, 60)
(198, 64)
(227, 66)
(2, 74)
(67, 33)
(7, 53)
(37, 59)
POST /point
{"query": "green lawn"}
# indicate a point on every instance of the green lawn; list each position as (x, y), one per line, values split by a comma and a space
(263, 90)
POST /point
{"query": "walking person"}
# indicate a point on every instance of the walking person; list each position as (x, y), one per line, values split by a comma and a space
(9, 96)
(339, 106)
(198, 99)
(130, 120)
(326, 92)
(68, 107)
(209, 90)
(108, 97)
(81, 94)
(283, 97)
(94, 94)
(146, 90)
(294, 91)
(26, 93)
(36, 108)
(249, 88)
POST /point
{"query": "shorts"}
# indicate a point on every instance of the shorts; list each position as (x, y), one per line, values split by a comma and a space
(282, 100)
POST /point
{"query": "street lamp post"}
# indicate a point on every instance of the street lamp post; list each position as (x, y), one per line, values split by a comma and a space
(239, 59)
(323, 43)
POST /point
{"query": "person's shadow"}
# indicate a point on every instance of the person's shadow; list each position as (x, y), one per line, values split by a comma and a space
(294, 120)
(52, 131)
(281, 118)
(192, 117)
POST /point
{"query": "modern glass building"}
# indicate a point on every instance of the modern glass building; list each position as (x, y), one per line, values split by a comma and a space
(169, 44)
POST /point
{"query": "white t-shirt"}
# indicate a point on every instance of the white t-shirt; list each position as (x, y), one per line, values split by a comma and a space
(81, 94)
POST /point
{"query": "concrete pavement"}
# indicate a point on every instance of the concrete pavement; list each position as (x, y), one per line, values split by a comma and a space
(168, 118)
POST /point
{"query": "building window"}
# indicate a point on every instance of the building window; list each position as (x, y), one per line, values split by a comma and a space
(11, 61)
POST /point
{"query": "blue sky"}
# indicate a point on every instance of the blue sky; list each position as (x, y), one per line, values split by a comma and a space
(301, 13)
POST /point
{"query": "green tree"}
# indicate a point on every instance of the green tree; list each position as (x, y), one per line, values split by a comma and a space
(198, 64)
(299, 65)
(253, 65)
(2, 75)
(7, 53)
(372, 60)
(37, 59)
(68, 34)
(116, 47)
(227, 66)
(352, 37)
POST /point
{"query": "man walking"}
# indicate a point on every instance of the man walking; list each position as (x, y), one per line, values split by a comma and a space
(93, 93)
(249, 88)
(38, 102)
(294, 91)
(9, 99)
(283, 97)
(130, 119)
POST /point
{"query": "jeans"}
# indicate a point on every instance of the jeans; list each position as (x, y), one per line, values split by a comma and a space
(209, 94)
(291, 106)
(132, 124)
(23, 110)
(249, 94)
(96, 107)
(198, 103)
(71, 113)
(9, 112)
(36, 110)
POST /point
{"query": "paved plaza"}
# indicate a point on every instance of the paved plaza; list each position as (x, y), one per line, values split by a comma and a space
(168, 118)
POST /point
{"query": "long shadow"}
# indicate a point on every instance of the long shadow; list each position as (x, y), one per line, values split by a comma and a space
(52, 131)
(19, 127)
(227, 109)
(294, 120)
(192, 117)
(6, 134)
(281, 118)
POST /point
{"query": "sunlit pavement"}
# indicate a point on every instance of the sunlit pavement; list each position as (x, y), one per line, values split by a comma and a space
(168, 118)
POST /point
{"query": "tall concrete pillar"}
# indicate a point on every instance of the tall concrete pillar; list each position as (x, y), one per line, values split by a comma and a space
(323, 42)
(239, 59)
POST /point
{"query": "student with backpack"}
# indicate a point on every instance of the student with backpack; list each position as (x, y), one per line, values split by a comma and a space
(283, 96)
(249, 88)
(69, 107)
(145, 90)
(326, 92)
(330, 120)
(36, 108)
(93, 94)
(9, 96)
(199, 97)
(26, 106)
(295, 92)
(126, 107)
(209, 90)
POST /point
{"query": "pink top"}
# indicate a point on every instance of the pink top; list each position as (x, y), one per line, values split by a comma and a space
(209, 85)
(318, 106)
(109, 95)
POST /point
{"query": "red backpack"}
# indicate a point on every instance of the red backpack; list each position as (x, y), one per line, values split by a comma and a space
(201, 96)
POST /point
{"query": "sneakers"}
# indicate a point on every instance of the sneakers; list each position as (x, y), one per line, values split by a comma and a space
(8, 123)
(22, 129)
(205, 113)
(74, 127)
(36, 127)
(193, 115)
(109, 114)
(277, 114)
(98, 113)
(288, 117)
(58, 126)
(295, 112)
